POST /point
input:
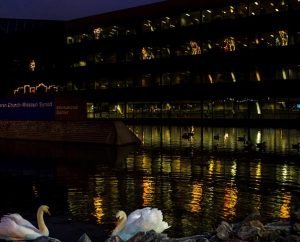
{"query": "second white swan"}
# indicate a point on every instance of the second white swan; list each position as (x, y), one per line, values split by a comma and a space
(141, 220)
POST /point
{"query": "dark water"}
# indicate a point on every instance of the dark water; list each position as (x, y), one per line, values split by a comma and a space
(196, 182)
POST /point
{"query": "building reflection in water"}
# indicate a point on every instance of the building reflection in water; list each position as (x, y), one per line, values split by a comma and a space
(195, 185)
(197, 194)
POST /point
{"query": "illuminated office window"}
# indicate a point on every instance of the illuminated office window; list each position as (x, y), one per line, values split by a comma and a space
(97, 33)
(147, 26)
(273, 6)
(254, 8)
(228, 12)
(242, 10)
(147, 53)
(129, 31)
(84, 37)
(282, 37)
(190, 18)
(229, 44)
(169, 22)
(206, 16)
(111, 31)
(32, 65)
(90, 110)
(195, 48)
(241, 42)
(70, 40)
(207, 46)
(82, 63)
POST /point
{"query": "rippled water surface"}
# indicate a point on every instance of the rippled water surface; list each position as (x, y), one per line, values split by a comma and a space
(196, 181)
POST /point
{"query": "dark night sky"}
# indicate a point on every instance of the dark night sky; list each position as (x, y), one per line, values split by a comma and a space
(63, 9)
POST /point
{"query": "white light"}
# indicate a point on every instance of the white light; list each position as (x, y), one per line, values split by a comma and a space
(258, 137)
(284, 74)
(233, 76)
(258, 108)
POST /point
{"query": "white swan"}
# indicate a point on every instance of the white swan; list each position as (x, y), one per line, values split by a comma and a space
(141, 220)
(15, 227)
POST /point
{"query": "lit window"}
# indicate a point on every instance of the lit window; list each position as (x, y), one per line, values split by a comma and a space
(283, 37)
(32, 65)
(257, 76)
(97, 33)
(229, 44)
(147, 54)
(196, 50)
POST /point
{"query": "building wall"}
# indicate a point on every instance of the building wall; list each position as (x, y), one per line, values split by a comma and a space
(191, 60)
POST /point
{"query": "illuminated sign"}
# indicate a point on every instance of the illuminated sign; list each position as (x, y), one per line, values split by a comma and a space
(27, 109)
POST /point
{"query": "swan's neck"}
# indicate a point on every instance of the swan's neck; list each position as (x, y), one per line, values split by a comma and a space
(120, 225)
(41, 223)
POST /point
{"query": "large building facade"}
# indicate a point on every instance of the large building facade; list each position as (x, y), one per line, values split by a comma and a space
(209, 62)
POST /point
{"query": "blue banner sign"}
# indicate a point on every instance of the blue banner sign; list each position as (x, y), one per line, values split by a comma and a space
(27, 109)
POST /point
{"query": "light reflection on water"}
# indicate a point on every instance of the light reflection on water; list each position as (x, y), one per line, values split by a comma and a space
(195, 182)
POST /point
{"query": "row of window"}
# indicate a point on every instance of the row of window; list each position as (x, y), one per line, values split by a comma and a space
(286, 72)
(229, 108)
(192, 47)
(245, 9)
(290, 72)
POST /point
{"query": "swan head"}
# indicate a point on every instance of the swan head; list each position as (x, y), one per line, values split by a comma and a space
(121, 216)
(120, 223)
(45, 209)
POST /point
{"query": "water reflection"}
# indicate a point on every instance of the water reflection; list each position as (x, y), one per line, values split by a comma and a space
(279, 141)
(194, 183)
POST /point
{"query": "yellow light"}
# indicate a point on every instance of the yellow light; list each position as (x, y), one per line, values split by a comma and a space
(211, 167)
(147, 192)
(230, 200)
(257, 76)
(32, 65)
(258, 171)
(82, 63)
(226, 136)
(258, 137)
(284, 74)
(258, 108)
(210, 78)
(286, 206)
(25, 87)
(197, 194)
(233, 76)
(98, 205)
(118, 108)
